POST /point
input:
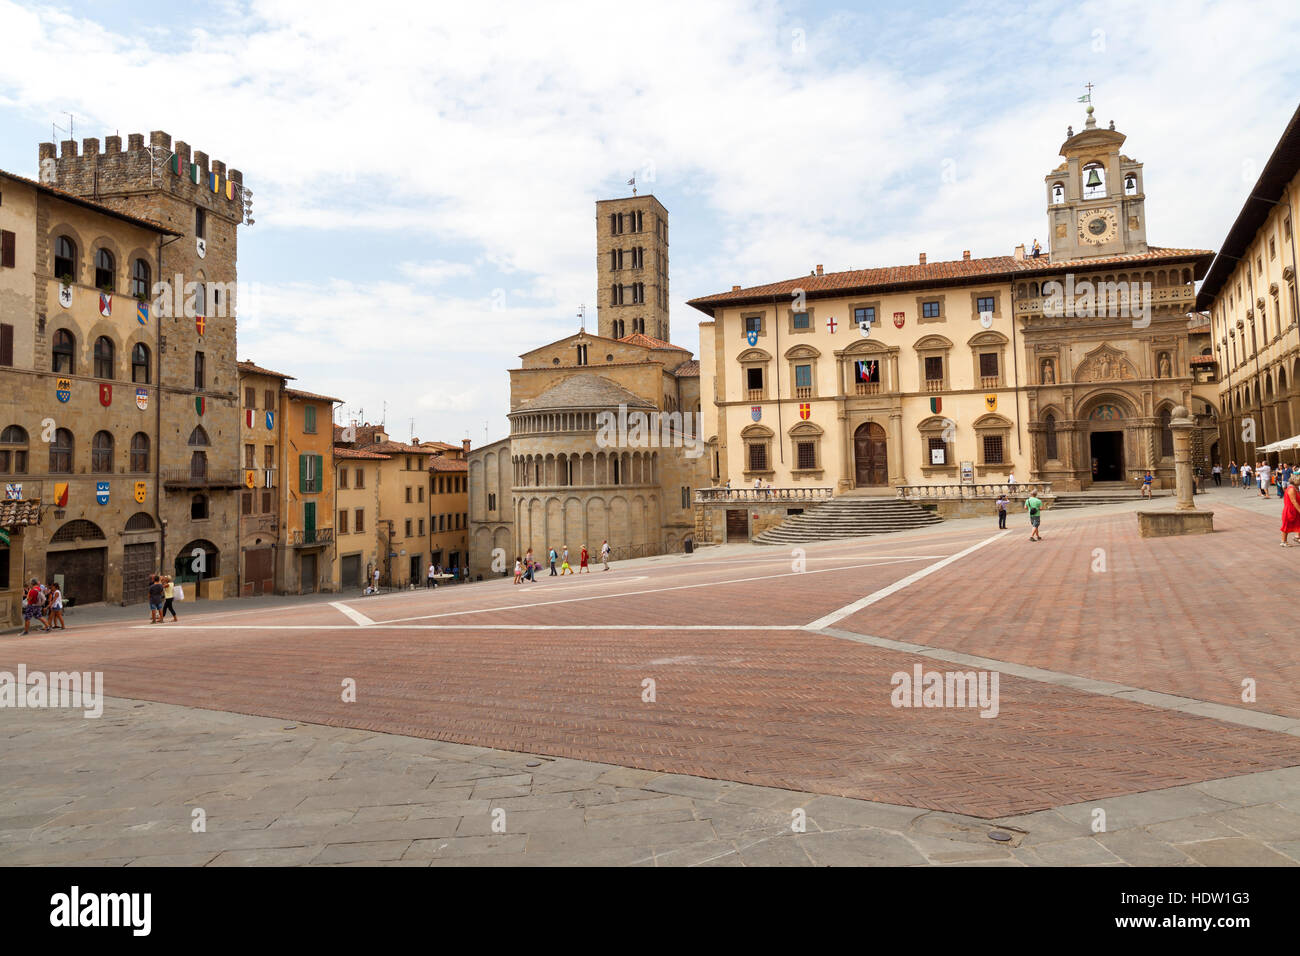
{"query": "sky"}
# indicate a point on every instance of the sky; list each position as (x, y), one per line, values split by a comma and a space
(425, 174)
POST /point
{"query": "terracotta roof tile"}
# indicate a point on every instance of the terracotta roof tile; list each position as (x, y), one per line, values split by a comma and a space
(298, 393)
(584, 391)
(442, 463)
(638, 338)
(959, 271)
(399, 448)
(255, 369)
(23, 511)
(357, 453)
(689, 369)
(90, 204)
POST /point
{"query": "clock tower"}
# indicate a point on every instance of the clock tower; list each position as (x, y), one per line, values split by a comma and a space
(1095, 199)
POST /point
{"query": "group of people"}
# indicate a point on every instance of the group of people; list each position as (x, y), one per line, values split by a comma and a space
(163, 593)
(44, 603)
(526, 568)
(1033, 507)
(1261, 476)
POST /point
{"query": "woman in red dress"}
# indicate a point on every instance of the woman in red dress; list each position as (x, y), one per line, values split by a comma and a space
(1291, 509)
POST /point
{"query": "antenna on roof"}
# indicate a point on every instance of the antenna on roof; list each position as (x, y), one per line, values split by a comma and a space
(54, 127)
(582, 317)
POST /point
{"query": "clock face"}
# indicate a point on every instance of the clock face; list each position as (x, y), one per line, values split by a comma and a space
(1097, 226)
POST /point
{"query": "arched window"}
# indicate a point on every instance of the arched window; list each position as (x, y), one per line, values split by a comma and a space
(140, 364)
(64, 350)
(1049, 431)
(1166, 434)
(140, 279)
(199, 436)
(105, 271)
(101, 453)
(139, 452)
(198, 507)
(13, 451)
(1094, 181)
(199, 464)
(103, 357)
(61, 453)
(140, 521)
(65, 258)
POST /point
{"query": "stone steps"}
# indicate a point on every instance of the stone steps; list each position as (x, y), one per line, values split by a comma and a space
(1086, 501)
(849, 518)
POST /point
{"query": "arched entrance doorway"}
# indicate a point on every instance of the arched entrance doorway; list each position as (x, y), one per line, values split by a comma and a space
(870, 455)
(1106, 440)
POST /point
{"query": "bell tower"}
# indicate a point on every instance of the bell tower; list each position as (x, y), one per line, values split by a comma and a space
(1095, 199)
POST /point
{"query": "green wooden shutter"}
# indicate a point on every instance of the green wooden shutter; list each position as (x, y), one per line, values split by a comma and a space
(302, 473)
(320, 472)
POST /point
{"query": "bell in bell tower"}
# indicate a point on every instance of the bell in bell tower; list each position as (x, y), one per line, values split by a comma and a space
(1095, 198)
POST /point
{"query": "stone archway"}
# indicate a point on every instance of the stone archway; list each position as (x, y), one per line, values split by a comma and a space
(1109, 443)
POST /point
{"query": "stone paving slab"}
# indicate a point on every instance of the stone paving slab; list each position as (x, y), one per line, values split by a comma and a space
(1248, 820)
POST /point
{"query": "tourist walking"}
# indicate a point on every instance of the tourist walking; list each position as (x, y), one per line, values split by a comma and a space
(1233, 471)
(1034, 505)
(1245, 475)
(519, 569)
(169, 598)
(31, 605)
(530, 567)
(56, 608)
(430, 578)
(552, 557)
(1263, 471)
(564, 565)
(155, 600)
(604, 554)
(1146, 485)
(1291, 509)
(1003, 501)
(1217, 474)
(582, 561)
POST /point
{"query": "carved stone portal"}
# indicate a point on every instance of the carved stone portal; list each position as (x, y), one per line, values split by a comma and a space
(1105, 364)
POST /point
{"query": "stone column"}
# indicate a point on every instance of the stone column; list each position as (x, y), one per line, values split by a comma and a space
(1181, 424)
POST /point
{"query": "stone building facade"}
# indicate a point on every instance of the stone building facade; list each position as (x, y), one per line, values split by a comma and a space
(1059, 366)
(1250, 295)
(79, 424)
(401, 507)
(632, 268)
(191, 275)
(570, 480)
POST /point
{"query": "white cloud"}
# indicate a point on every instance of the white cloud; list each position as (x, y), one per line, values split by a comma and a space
(491, 129)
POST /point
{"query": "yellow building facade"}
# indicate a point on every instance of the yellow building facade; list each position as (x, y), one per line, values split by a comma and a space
(1058, 365)
(1250, 295)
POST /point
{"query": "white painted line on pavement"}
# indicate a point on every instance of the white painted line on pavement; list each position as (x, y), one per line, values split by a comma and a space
(836, 616)
(623, 594)
(352, 614)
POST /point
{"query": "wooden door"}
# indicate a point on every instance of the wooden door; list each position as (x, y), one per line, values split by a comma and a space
(871, 455)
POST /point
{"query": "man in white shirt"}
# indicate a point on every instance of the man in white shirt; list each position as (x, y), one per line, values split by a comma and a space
(1245, 474)
(1264, 473)
(431, 579)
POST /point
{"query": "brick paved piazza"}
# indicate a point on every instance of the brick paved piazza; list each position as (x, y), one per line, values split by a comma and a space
(1120, 688)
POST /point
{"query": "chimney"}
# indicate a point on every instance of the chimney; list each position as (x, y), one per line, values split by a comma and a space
(1020, 252)
(464, 443)
(735, 288)
(819, 268)
(923, 258)
(965, 255)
